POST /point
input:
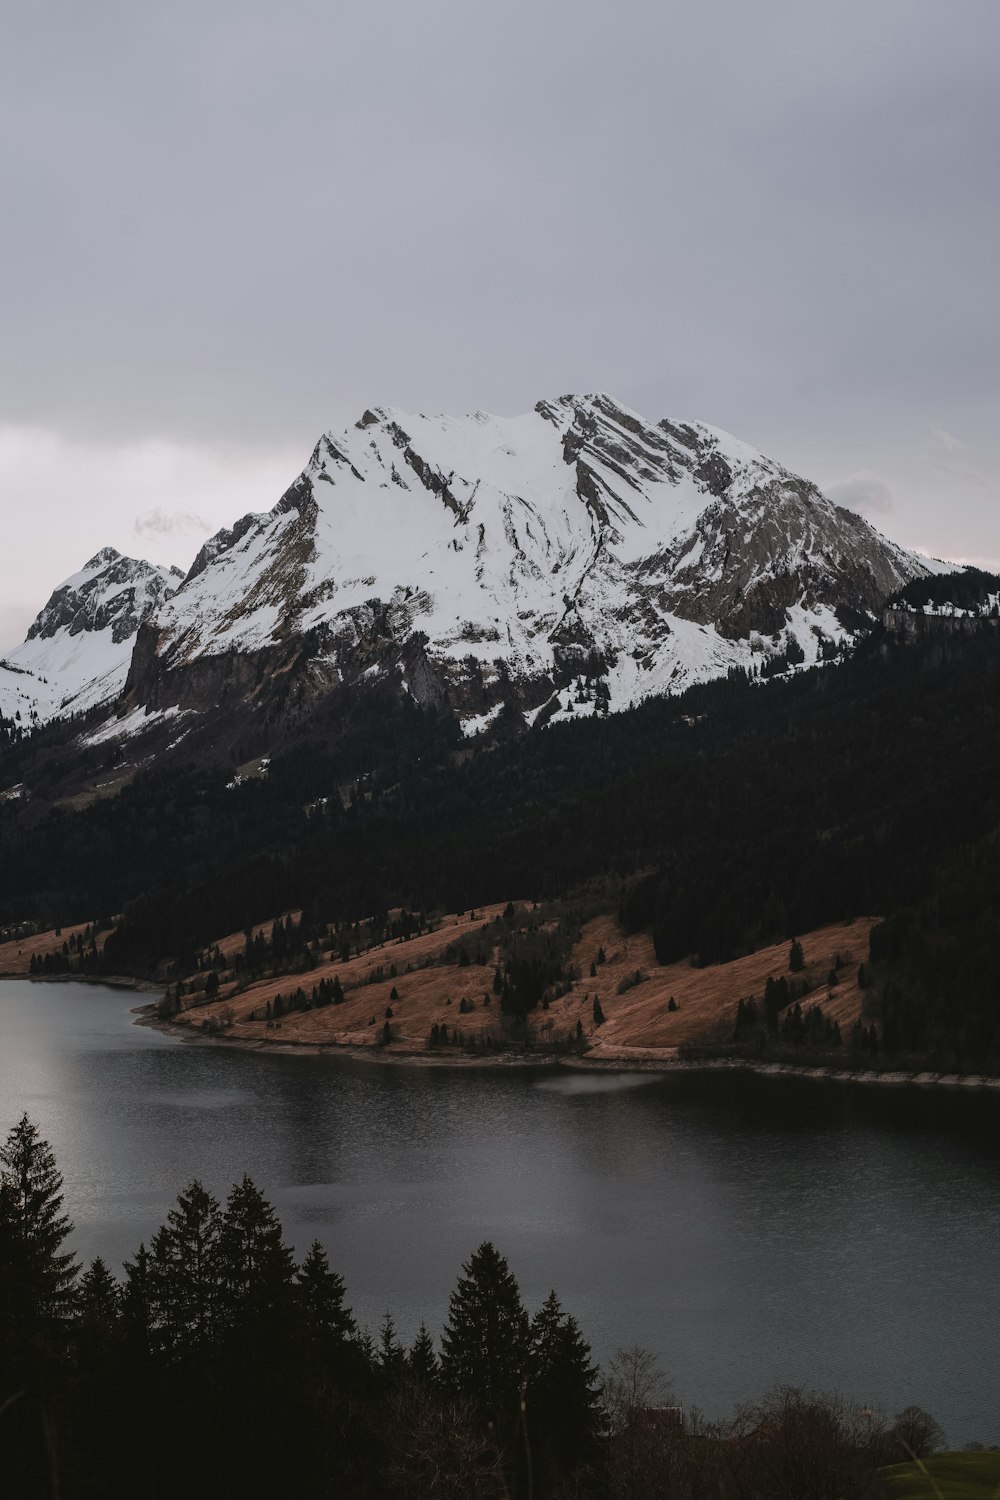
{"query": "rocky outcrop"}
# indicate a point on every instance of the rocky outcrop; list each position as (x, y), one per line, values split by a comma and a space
(76, 654)
(915, 624)
(572, 560)
(111, 592)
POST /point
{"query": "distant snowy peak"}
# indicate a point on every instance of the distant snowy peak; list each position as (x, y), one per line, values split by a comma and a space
(572, 559)
(110, 592)
(77, 651)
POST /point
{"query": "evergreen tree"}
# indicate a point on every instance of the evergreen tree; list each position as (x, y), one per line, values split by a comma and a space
(256, 1266)
(564, 1414)
(37, 1277)
(422, 1360)
(796, 958)
(331, 1362)
(321, 1294)
(99, 1299)
(391, 1355)
(746, 1018)
(185, 1280)
(137, 1306)
(257, 1352)
(598, 1012)
(37, 1284)
(775, 999)
(100, 1375)
(97, 1327)
(792, 1027)
(485, 1341)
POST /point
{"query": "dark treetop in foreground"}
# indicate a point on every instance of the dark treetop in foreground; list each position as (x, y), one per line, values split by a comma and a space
(219, 1367)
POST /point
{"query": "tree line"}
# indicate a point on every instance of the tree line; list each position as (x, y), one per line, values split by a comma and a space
(218, 1365)
(734, 816)
(935, 971)
(776, 809)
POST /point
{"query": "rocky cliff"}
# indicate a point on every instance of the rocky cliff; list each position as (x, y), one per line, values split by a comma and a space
(572, 560)
(78, 650)
(569, 561)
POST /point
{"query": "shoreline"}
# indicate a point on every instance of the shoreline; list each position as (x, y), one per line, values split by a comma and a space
(620, 1062)
(646, 1060)
(145, 1016)
(112, 981)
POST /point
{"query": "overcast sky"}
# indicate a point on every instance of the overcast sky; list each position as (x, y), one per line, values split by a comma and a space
(227, 226)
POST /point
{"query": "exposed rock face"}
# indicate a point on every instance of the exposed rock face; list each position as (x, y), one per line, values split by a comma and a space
(77, 651)
(111, 592)
(573, 559)
(913, 623)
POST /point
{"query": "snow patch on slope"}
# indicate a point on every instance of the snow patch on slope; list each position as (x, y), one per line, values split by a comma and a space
(77, 652)
(575, 559)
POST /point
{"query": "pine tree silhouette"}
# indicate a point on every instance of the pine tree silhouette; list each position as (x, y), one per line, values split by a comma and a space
(422, 1360)
(37, 1277)
(485, 1341)
(563, 1404)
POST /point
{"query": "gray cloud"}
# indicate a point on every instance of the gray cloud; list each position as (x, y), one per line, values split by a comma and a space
(235, 222)
(160, 523)
(942, 438)
(863, 492)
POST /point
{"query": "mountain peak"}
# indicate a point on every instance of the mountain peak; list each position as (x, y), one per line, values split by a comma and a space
(78, 647)
(102, 559)
(570, 560)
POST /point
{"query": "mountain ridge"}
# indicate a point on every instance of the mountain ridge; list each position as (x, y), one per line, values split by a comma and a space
(77, 651)
(569, 561)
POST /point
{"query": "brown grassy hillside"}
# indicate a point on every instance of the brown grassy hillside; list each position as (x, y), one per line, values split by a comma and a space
(430, 993)
(15, 956)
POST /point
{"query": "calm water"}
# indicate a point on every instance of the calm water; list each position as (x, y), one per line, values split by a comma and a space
(747, 1230)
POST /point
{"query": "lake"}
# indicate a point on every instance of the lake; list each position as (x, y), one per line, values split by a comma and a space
(747, 1230)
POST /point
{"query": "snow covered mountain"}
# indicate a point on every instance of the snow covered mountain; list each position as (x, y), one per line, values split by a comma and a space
(77, 652)
(569, 561)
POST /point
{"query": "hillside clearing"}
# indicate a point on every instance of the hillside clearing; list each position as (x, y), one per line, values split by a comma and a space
(639, 1023)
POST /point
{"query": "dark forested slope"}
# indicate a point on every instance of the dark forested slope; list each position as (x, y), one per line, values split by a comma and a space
(936, 963)
(742, 811)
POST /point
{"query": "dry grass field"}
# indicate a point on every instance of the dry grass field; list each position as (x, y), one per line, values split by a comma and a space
(638, 1023)
(15, 956)
(707, 998)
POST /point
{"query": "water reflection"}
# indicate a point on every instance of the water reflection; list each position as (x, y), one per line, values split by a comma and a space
(749, 1230)
(571, 1084)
